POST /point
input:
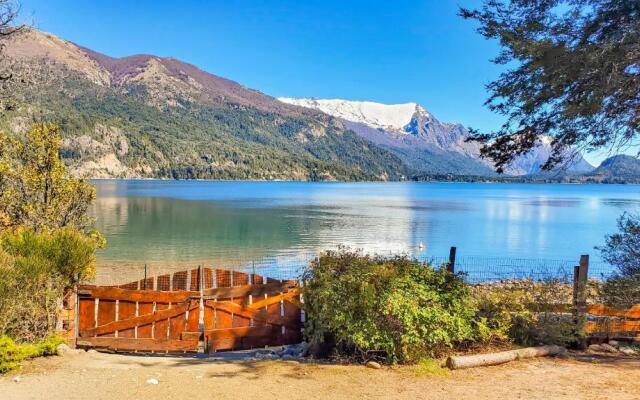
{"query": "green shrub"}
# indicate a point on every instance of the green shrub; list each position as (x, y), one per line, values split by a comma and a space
(35, 268)
(525, 312)
(395, 309)
(12, 354)
(622, 290)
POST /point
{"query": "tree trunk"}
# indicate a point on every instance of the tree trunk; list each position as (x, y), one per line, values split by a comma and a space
(479, 360)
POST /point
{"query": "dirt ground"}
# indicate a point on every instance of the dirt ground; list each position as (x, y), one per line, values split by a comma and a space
(110, 376)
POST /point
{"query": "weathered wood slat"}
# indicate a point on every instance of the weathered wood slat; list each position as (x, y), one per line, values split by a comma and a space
(253, 290)
(275, 299)
(160, 326)
(106, 312)
(223, 278)
(612, 326)
(126, 310)
(112, 293)
(140, 320)
(145, 331)
(604, 311)
(296, 302)
(130, 344)
(238, 338)
(257, 315)
(86, 314)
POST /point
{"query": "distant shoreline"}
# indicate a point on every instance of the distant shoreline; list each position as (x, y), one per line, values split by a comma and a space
(421, 179)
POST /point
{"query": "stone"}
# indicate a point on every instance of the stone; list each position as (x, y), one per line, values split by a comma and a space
(608, 348)
(92, 351)
(152, 381)
(373, 365)
(17, 379)
(64, 349)
(267, 356)
(296, 350)
(614, 343)
(596, 347)
(288, 357)
(628, 351)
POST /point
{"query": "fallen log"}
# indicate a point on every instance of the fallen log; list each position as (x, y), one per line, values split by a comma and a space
(480, 360)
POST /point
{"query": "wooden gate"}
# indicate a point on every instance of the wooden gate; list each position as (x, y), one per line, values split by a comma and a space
(211, 310)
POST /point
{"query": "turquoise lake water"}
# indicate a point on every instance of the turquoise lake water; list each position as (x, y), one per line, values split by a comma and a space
(189, 222)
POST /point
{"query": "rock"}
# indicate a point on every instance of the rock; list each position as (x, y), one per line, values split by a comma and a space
(92, 351)
(373, 365)
(267, 356)
(628, 351)
(614, 343)
(17, 379)
(608, 348)
(152, 381)
(63, 349)
(596, 347)
(303, 349)
(288, 357)
(296, 350)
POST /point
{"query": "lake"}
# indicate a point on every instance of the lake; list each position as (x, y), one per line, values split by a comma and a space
(178, 223)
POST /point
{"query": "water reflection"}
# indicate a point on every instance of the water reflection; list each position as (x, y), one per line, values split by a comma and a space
(231, 222)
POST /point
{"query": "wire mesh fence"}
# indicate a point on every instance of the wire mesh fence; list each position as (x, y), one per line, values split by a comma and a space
(475, 269)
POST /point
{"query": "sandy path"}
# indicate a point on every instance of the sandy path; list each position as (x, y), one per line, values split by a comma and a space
(104, 376)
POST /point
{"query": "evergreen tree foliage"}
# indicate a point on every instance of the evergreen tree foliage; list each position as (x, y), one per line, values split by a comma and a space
(573, 74)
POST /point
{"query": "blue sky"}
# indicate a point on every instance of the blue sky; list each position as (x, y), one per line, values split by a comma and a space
(385, 51)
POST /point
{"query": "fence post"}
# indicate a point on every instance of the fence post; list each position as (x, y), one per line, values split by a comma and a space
(145, 276)
(580, 277)
(451, 267)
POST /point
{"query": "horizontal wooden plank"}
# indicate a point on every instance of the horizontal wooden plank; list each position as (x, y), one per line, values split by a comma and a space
(256, 315)
(245, 331)
(295, 301)
(241, 338)
(604, 311)
(112, 293)
(294, 293)
(612, 326)
(253, 290)
(131, 344)
(140, 320)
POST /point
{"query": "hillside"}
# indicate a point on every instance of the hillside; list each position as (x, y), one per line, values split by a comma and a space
(148, 116)
(617, 169)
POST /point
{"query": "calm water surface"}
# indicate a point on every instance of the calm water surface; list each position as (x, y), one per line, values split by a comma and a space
(176, 222)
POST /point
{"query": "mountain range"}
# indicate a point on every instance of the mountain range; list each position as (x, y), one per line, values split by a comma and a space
(428, 145)
(148, 116)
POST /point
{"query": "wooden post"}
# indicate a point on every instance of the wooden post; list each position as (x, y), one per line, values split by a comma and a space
(451, 267)
(580, 277)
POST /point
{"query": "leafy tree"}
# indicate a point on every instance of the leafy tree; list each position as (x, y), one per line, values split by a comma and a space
(8, 16)
(35, 269)
(34, 190)
(622, 250)
(575, 75)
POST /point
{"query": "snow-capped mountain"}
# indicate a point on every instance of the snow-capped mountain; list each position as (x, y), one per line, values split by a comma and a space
(424, 143)
(385, 116)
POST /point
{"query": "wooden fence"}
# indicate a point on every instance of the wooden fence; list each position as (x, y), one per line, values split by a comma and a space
(211, 310)
(607, 322)
(595, 321)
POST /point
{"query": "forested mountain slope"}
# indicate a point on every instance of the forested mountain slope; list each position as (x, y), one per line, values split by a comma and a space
(148, 116)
